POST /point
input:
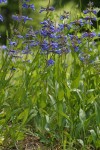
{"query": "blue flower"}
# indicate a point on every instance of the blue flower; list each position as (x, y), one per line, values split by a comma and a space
(76, 48)
(46, 9)
(86, 11)
(94, 12)
(27, 0)
(50, 62)
(20, 18)
(3, 1)
(90, 18)
(28, 6)
(26, 50)
(89, 22)
(45, 45)
(34, 43)
(78, 22)
(62, 26)
(20, 36)
(1, 18)
(54, 45)
(82, 58)
(12, 43)
(64, 16)
(32, 6)
(25, 18)
(52, 35)
(45, 23)
(89, 34)
(12, 52)
(4, 47)
(90, 11)
(25, 5)
(43, 32)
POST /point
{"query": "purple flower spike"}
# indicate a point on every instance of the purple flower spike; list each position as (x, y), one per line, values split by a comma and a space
(90, 34)
(54, 45)
(45, 45)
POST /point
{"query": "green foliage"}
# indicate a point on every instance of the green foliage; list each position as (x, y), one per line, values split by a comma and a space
(56, 101)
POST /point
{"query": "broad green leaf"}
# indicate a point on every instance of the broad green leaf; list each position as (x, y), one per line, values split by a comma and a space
(60, 94)
(23, 116)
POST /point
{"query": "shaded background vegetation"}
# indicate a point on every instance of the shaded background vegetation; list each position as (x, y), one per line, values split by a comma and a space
(61, 3)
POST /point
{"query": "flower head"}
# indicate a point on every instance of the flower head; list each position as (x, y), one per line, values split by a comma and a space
(65, 15)
(50, 62)
(4, 47)
(12, 43)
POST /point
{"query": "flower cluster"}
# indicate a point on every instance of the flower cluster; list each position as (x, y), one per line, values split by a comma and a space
(25, 5)
(3, 1)
(48, 29)
(63, 38)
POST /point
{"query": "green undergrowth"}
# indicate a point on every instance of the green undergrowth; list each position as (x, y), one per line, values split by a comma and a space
(58, 105)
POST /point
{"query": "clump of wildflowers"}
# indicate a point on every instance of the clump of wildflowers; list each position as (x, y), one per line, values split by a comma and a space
(55, 39)
(3, 1)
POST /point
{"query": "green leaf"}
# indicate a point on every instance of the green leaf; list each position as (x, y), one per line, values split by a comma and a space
(60, 94)
(23, 116)
(1, 140)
